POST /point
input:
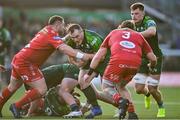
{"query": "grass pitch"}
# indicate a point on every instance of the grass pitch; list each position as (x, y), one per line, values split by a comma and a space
(171, 98)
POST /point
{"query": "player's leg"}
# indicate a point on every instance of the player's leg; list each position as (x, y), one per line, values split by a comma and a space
(131, 110)
(109, 88)
(107, 99)
(140, 88)
(127, 76)
(103, 96)
(67, 86)
(7, 92)
(153, 81)
(82, 72)
(90, 95)
(36, 81)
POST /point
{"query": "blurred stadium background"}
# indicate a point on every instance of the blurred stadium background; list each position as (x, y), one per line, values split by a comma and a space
(25, 17)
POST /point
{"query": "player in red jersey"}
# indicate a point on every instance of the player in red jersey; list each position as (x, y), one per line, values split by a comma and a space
(126, 48)
(26, 63)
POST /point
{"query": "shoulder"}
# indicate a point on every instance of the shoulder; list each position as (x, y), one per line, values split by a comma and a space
(91, 33)
(149, 21)
(47, 30)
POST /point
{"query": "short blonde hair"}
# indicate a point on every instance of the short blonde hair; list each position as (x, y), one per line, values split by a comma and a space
(137, 5)
(127, 24)
(55, 18)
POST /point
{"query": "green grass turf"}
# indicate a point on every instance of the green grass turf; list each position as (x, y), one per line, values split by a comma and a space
(171, 100)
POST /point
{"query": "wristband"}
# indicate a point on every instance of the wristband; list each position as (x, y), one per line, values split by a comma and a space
(79, 55)
(91, 70)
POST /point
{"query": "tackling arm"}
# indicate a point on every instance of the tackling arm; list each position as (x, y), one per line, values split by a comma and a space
(98, 57)
(73, 53)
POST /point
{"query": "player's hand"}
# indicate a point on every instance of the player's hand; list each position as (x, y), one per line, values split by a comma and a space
(2, 68)
(151, 68)
(87, 57)
(85, 82)
(86, 76)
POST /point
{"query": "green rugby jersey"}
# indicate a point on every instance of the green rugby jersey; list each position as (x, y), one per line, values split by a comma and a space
(5, 39)
(5, 42)
(153, 41)
(90, 44)
(54, 74)
(53, 106)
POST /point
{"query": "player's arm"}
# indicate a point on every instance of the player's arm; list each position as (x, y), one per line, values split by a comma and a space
(151, 30)
(65, 38)
(101, 53)
(153, 60)
(149, 53)
(98, 57)
(77, 62)
(73, 53)
(94, 63)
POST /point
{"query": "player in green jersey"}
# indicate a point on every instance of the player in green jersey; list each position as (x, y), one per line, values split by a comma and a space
(5, 44)
(53, 103)
(80, 40)
(147, 27)
(88, 42)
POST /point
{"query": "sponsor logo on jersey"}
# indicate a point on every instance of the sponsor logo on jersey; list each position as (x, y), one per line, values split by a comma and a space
(57, 38)
(94, 41)
(127, 44)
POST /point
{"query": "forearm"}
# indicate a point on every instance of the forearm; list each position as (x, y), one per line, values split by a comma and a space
(98, 57)
(70, 51)
(95, 62)
(150, 32)
(152, 58)
(78, 63)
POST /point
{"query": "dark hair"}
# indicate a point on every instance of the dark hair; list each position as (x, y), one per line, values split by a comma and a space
(71, 27)
(127, 24)
(137, 5)
(55, 18)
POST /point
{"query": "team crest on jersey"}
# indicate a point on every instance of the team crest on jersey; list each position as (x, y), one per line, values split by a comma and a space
(87, 46)
(57, 38)
(127, 44)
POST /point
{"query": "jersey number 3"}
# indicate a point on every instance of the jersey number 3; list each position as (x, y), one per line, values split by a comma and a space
(126, 35)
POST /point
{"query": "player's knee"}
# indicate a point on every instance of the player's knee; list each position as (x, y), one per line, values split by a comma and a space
(13, 87)
(152, 89)
(109, 91)
(139, 90)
